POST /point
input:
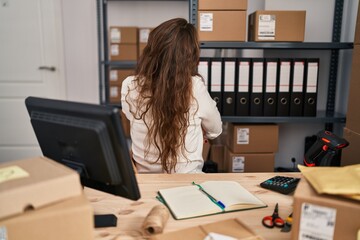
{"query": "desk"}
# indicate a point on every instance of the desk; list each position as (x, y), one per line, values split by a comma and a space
(131, 214)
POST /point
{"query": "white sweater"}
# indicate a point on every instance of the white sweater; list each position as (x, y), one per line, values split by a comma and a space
(207, 118)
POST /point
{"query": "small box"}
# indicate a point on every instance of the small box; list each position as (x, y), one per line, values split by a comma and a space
(127, 35)
(353, 113)
(223, 5)
(222, 25)
(277, 26)
(123, 52)
(253, 138)
(117, 76)
(248, 162)
(319, 216)
(350, 154)
(34, 183)
(69, 219)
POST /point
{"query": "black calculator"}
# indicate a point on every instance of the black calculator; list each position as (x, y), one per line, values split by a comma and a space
(281, 184)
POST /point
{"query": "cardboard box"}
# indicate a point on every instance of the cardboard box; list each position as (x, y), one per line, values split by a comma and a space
(117, 76)
(217, 155)
(69, 219)
(249, 162)
(222, 25)
(323, 216)
(277, 26)
(231, 227)
(222, 5)
(115, 94)
(123, 52)
(123, 35)
(350, 154)
(34, 183)
(252, 138)
(353, 113)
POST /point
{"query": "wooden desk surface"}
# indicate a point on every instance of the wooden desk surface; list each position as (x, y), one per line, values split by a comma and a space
(131, 214)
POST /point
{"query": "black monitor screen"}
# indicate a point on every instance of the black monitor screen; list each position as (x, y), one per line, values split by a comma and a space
(88, 138)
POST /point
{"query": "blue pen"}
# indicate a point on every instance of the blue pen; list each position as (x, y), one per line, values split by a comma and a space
(214, 200)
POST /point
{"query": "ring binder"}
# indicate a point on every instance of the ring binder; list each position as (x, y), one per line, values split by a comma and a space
(242, 95)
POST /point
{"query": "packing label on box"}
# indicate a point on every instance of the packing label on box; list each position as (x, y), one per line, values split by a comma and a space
(317, 222)
(3, 233)
(114, 92)
(266, 30)
(242, 136)
(113, 75)
(206, 22)
(144, 35)
(114, 50)
(115, 35)
(238, 164)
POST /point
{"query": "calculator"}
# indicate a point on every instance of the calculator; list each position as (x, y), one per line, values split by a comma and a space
(281, 184)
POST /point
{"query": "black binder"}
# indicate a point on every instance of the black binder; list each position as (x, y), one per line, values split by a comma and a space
(257, 87)
(203, 70)
(243, 87)
(310, 98)
(216, 82)
(283, 87)
(228, 103)
(297, 88)
(270, 82)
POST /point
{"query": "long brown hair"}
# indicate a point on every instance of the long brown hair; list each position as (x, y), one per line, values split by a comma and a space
(164, 82)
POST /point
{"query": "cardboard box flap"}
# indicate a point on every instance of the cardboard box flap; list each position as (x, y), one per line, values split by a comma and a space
(33, 183)
(231, 227)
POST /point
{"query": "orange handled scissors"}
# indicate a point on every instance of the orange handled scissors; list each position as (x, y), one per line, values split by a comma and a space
(274, 220)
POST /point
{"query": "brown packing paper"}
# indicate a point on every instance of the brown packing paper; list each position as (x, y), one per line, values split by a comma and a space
(155, 221)
(341, 181)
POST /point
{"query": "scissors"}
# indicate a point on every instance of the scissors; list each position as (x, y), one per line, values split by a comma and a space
(274, 220)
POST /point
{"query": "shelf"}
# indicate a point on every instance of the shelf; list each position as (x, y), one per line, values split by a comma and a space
(320, 118)
(121, 64)
(277, 45)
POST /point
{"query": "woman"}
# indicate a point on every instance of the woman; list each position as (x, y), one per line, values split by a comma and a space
(167, 103)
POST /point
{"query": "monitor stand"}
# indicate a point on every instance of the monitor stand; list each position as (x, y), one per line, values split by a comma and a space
(105, 220)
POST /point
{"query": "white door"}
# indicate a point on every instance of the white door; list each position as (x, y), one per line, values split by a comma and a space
(31, 64)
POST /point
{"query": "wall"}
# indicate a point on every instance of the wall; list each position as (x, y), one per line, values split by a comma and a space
(81, 50)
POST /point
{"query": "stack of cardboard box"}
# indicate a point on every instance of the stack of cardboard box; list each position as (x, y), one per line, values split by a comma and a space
(251, 148)
(143, 38)
(350, 154)
(223, 20)
(116, 77)
(123, 43)
(42, 199)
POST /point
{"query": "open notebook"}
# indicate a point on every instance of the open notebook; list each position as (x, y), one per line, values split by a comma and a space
(210, 197)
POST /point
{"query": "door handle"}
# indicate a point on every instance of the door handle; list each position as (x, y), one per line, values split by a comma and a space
(52, 68)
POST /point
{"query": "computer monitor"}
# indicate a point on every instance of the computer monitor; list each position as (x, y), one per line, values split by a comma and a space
(88, 138)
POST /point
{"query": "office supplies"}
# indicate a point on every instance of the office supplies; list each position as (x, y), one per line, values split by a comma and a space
(214, 200)
(228, 103)
(257, 87)
(189, 201)
(242, 97)
(283, 87)
(288, 223)
(325, 151)
(156, 220)
(310, 97)
(281, 184)
(216, 82)
(297, 88)
(270, 82)
(274, 220)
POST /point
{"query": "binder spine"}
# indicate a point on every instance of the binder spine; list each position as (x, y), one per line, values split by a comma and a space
(243, 87)
(297, 88)
(228, 103)
(283, 87)
(312, 75)
(270, 82)
(216, 77)
(257, 87)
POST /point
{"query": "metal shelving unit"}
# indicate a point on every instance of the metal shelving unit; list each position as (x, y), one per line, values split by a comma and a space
(328, 117)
